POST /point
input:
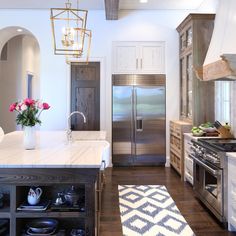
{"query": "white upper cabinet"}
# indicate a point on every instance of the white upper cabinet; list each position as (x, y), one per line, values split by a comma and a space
(138, 58)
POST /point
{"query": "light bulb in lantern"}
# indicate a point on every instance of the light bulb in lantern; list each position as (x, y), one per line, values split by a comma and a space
(77, 46)
(68, 34)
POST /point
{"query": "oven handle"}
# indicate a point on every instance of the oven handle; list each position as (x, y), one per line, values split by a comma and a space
(214, 172)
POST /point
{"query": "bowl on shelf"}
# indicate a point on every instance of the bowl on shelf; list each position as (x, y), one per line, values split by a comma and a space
(77, 232)
(208, 129)
(42, 226)
(198, 134)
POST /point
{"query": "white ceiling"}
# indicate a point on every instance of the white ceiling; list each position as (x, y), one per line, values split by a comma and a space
(99, 4)
(160, 4)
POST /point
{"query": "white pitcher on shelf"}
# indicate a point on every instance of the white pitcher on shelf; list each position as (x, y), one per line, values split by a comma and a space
(34, 195)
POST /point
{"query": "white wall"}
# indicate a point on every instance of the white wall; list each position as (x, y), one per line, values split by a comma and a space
(30, 65)
(10, 83)
(132, 26)
(23, 54)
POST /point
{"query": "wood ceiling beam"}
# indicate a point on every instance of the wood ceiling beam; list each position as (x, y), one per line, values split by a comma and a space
(112, 9)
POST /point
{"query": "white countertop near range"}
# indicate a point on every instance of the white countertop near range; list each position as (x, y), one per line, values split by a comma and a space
(52, 151)
(231, 154)
(190, 135)
(228, 154)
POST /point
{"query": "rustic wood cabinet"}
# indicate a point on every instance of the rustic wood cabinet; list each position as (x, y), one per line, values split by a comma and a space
(138, 58)
(177, 129)
(196, 97)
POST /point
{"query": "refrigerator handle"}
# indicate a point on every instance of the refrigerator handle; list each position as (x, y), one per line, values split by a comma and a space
(132, 124)
(139, 124)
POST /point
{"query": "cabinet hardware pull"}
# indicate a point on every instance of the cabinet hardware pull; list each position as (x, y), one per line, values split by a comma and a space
(104, 164)
(141, 63)
(136, 63)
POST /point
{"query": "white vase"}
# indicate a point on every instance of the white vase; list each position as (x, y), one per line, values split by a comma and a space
(29, 137)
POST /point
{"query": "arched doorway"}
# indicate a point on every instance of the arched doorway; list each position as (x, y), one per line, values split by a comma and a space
(19, 71)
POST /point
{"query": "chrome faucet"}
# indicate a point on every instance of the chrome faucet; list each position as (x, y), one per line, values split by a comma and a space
(69, 132)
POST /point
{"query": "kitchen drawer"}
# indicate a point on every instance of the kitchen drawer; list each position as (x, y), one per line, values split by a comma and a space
(188, 153)
(233, 186)
(232, 221)
(176, 142)
(231, 168)
(188, 146)
(175, 162)
(231, 196)
(175, 149)
(189, 165)
(233, 202)
(188, 177)
(175, 129)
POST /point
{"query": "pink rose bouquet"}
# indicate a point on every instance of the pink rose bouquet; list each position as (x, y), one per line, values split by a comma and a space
(28, 111)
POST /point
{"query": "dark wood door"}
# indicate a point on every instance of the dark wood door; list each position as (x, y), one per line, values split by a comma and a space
(85, 95)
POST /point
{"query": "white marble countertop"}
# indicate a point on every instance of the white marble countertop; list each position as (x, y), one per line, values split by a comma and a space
(52, 151)
(89, 135)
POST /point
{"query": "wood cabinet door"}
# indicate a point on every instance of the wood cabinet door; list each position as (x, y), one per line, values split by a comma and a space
(85, 95)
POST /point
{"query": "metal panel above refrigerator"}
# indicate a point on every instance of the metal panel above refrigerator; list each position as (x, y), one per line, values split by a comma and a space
(138, 120)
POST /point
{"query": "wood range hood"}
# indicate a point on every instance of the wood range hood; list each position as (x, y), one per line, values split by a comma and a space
(220, 61)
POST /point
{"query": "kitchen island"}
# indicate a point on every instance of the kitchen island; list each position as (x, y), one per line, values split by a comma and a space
(55, 165)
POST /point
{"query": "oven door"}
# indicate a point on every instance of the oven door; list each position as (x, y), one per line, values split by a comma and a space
(208, 185)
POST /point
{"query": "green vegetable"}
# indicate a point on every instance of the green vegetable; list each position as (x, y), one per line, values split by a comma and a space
(207, 125)
(196, 130)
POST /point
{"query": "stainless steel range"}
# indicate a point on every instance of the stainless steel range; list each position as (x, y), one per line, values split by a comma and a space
(211, 173)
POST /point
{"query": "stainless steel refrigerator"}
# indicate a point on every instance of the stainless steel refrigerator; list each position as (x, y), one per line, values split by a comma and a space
(138, 120)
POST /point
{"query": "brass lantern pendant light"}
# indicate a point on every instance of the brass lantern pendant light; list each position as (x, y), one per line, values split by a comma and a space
(70, 36)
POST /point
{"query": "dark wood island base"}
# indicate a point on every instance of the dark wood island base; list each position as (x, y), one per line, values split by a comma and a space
(15, 183)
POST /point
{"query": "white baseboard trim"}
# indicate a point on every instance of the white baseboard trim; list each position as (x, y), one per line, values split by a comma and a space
(167, 161)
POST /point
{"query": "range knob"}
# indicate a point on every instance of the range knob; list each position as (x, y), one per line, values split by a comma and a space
(199, 151)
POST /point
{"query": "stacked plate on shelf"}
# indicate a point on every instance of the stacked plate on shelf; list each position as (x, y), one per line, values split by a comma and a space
(1, 200)
(42, 227)
(41, 206)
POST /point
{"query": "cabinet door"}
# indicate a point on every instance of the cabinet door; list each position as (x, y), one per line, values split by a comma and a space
(138, 58)
(189, 36)
(85, 95)
(183, 88)
(189, 82)
(152, 58)
(125, 58)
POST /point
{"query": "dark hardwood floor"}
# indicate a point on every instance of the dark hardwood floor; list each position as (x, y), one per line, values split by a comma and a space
(200, 220)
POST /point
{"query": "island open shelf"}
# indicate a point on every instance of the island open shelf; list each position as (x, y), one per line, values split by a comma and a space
(52, 180)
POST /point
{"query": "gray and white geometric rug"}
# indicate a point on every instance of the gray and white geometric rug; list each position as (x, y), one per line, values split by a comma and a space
(149, 210)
